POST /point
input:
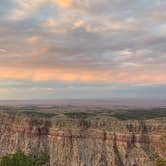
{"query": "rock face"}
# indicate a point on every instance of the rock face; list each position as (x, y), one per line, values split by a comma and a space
(103, 141)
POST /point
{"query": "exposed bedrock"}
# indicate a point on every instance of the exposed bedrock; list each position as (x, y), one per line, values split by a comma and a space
(80, 142)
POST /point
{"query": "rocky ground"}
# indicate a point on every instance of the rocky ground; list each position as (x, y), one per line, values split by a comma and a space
(85, 136)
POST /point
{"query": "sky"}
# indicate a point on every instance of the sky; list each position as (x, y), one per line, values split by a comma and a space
(82, 49)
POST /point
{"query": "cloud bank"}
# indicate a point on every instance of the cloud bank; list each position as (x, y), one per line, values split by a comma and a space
(87, 41)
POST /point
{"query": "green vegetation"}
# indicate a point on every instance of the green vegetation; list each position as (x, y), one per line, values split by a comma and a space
(42, 159)
(78, 112)
(121, 114)
(38, 114)
(139, 114)
(78, 115)
(20, 159)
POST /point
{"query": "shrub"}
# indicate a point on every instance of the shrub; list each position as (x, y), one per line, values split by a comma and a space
(20, 159)
(17, 159)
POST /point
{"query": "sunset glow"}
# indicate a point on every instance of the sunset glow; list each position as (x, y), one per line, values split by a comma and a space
(119, 44)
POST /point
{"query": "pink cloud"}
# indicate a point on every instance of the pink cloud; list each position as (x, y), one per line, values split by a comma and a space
(40, 74)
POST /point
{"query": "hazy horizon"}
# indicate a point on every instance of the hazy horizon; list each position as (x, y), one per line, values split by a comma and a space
(87, 102)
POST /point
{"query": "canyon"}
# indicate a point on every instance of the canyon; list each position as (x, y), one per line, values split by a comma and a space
(85, 140)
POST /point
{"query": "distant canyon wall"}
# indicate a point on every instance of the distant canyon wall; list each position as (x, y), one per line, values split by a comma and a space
(102, 141)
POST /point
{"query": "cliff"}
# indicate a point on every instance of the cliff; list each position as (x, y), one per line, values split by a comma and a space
(95, 141)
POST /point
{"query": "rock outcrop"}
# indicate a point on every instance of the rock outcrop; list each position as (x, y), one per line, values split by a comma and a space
(98, 141)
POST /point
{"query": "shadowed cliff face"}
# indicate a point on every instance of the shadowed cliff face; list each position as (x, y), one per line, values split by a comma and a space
(103, 141)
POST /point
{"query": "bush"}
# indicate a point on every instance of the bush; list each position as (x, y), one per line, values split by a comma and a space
(20, 159)
(42, 159)
(17, 159)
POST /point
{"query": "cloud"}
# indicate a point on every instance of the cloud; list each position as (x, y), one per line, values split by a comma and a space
(64, 3)
(26, 8)
(40, 74)
(107, 41)
(79, 23)
(3, 50)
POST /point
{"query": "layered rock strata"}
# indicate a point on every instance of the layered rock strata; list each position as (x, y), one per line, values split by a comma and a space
(98, 141)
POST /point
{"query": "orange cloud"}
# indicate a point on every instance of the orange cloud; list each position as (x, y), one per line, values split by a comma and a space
(44, 74)
(79, 23)
(83, 76)
(64, 3)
